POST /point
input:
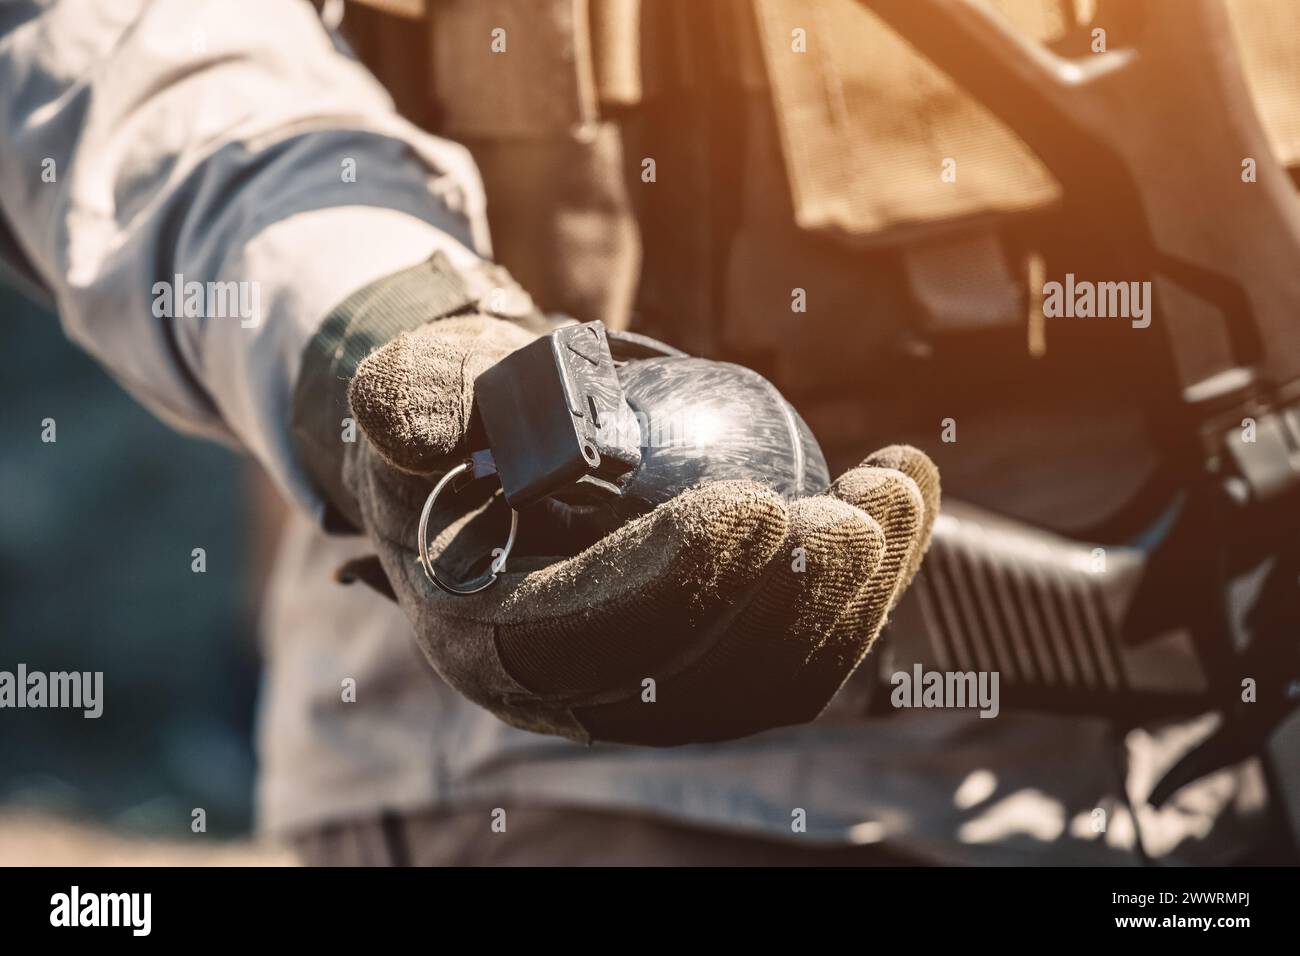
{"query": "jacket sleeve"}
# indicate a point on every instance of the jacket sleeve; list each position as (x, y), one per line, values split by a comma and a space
(197, 183)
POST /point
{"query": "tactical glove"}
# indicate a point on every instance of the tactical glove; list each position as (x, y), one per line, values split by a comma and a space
(724, 612)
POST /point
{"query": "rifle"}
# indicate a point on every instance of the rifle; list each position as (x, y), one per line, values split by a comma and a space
(1152, 135)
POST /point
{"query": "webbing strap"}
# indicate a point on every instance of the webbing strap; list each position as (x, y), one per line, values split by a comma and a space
(362, 323)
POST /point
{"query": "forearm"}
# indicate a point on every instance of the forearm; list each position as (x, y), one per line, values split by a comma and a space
(149, 151)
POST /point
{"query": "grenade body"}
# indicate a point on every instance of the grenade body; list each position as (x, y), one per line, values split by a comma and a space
(694, 421)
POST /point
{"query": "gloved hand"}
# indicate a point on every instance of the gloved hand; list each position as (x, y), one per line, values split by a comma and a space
(746, 612)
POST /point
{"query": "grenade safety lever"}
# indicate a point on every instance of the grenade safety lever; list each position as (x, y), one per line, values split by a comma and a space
(551, 412)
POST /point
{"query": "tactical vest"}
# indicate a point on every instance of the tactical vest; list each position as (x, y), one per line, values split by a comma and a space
(792, 186)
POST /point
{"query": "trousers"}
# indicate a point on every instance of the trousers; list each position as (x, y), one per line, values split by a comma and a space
(561, 836)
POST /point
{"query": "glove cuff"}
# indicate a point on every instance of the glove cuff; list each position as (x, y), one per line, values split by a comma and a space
(363, 322)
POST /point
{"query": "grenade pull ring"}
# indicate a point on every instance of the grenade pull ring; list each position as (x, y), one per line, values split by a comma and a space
(478, 465)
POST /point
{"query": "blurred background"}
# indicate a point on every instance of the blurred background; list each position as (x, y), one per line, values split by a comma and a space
(97, 530)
